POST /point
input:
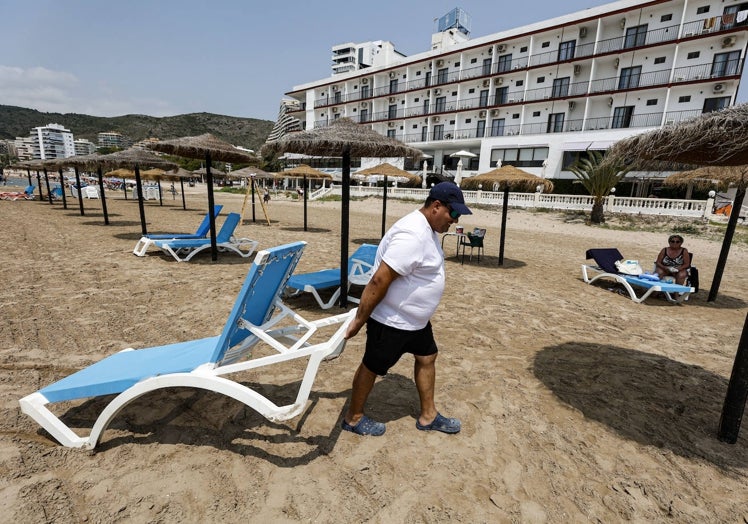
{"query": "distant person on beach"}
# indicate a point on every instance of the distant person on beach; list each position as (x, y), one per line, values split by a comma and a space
(266, 197)
(397, 305)
(674, 260)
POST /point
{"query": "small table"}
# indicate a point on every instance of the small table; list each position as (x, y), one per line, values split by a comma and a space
(459, 237)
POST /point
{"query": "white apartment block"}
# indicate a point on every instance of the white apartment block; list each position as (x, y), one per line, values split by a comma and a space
(51, 141)
(350, 56)
(84, 147)
(539, 96)
(113, 139)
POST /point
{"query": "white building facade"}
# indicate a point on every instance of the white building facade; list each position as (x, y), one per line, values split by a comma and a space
(540, 95)
(52, 141)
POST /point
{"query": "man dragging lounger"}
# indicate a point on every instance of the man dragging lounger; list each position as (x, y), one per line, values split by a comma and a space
(397, 305)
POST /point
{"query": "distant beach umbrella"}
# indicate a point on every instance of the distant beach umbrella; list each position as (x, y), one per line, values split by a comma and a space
(303, 172)
(388, 171)
(210, 148)
(460, 155)
(343, 138)
(507, 177)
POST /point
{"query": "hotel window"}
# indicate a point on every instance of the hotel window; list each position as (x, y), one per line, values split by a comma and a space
(392, 111)
(483, 101)
(659, 60)
(428, 78)
(486, 66)
(693, 54)
(441, 104)
(560, 87)
(566, 50)
(497, 127)
(363, 116)
(622, 117)
(501, 95)
(480, 130)
(424, 133)
(703, 9)
(555, 123)
(545, 44)
(666, 18)
(715, 104)
(393, 85)
(438, 133)
(391, 133)
(337, 97)
(426, 103)
(442, 75)
(635, 36)
(523, 157)
(365, 93)
(652, 102)
(629, 77)
(541, 80)
(504, 63)
(726, 64)
(684, 99)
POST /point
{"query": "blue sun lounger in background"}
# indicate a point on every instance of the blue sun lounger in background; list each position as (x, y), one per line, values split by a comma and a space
(260, 331)
(360, 270)
(202, 231)
(183, 249)
(605, 267)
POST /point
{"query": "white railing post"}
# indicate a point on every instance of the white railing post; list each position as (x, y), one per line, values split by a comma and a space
(610, 203)
(709, 204)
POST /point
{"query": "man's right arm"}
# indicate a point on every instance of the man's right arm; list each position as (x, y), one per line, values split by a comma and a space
(372, 295)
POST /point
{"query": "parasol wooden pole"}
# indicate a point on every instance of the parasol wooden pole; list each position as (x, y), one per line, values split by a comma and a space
(160, 194)
(252, 180)
(384, 206)
(28, 174)
(46, 179)
(80, 192)
(504, 208)
(344, 214)
(304, 189)
(181, 185)
(737, 392)
(39, 185)
(726, 242)
(62, 190)
(141, 208)
(103, 195)
(211, 208)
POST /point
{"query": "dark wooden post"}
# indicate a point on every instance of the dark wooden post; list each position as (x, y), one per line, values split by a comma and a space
(304, 189)
(211, 209)
(726, 242)
(103, 195)
(80, 189)
(384, 207)
(344, 216)
(504, 209)
(737, 390)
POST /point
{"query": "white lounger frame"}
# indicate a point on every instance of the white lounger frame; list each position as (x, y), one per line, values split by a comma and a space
(621, 280)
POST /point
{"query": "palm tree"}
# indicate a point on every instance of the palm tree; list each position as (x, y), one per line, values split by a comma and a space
(598, 178)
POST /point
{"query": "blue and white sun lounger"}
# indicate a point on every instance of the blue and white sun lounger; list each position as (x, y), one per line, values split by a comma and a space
(259, 332)
(605, 268)
(202, 231)
(184, 249)
(360, 270)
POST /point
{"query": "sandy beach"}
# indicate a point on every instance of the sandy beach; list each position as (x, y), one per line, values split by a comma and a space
(577, 404)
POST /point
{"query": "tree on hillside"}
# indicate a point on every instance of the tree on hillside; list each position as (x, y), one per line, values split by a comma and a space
(598, 178)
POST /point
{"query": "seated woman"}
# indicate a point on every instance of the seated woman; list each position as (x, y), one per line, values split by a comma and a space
(674, 260)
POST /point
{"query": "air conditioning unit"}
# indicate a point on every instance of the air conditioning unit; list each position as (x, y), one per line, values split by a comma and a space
(391, 124)
(729, 41)
(718, 88)
(482, 114)
(572, 104)
(501, 48)
(437, 119)
(439, 63)
(616, 62)
(393, 74)
(577, 69)
(335, 88)
(623, 23)
(582, 32)
(494, 112)
(335, 109)
(393, 100)
(364, 80)
(610, 102)
(499, 81)
(486, 83)
(490, 50)
(364, 104)
(437, 92)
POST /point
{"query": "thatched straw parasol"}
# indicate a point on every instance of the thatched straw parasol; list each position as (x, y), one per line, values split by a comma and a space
(343, 138)
(387, 170)
(717, 138)
(88, 163)
(135, 159)
(507, 177)
(32, 165)
(249, 171)
(709, 176)
(210, 148)
(304, 171)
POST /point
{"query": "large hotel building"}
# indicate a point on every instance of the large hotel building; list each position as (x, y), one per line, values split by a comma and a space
(539, 96)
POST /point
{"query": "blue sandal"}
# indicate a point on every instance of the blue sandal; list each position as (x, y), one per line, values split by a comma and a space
(365, 426)
(441, 423)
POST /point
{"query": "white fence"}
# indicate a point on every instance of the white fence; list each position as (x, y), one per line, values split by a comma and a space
(613, 204)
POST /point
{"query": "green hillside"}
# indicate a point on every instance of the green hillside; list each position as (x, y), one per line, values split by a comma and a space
(245, 132)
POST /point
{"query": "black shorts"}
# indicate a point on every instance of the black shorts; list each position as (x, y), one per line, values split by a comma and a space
(385, 345)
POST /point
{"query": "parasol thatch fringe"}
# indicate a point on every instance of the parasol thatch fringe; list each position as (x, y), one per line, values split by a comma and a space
(198, 146)
(708, 177)
(508, 176)
(303, 170)
(331, 140)
(388, 170)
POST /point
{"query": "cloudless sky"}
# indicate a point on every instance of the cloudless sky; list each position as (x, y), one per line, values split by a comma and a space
(231, 57)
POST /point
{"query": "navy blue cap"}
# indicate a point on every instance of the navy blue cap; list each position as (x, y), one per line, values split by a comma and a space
(448, 193)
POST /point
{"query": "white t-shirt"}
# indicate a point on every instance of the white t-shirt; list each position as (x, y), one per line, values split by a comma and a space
(411, 248)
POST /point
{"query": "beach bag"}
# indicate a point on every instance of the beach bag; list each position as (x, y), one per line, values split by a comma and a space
(629, 267)
(693, 278)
